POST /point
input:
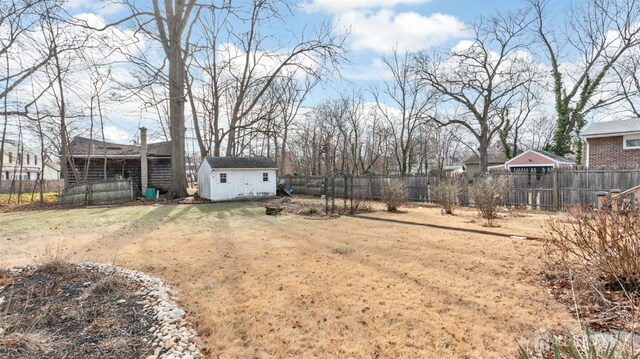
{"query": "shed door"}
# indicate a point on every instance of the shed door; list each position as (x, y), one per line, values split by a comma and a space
(246, 188)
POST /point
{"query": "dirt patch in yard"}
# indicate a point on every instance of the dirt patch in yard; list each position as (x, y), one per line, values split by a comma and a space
(61, 311)
(262, 286)
(512, 222)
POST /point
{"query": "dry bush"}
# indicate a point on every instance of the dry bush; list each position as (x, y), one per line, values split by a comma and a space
(446, 194)
(108, 285)
(394, 194)
(53, 260)
(55, 268)
(605, 243)
(360, 202)
(488, 194)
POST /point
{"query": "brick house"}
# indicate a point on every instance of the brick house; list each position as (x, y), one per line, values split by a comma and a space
(612, 144)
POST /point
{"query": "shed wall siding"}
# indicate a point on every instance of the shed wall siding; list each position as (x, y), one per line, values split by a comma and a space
(241, 183)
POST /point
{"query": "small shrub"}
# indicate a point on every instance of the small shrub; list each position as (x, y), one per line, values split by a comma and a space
(360, 202)
(394, 194)
(109, 285)
(605, 243)
(55, 268)
(488, 194)
(446, 194)
(53, 260)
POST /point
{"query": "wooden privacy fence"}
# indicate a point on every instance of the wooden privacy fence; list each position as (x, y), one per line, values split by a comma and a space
(104, 192)
(562, 188)
(418, 187)
(554, 190)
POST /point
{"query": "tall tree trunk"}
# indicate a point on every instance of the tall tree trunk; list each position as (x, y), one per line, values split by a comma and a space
(283, 155)
(4, 125)
(483, 152)
(176, 115)
(231, 141)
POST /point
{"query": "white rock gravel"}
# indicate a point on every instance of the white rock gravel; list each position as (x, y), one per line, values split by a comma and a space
(174, 338)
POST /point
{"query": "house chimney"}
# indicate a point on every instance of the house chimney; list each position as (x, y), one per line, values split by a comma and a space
(144, 172)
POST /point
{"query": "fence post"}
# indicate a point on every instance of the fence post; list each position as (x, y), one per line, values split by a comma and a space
(88, 194)
(326, 195)
(556, 189)
(602, 198)
(614, 202)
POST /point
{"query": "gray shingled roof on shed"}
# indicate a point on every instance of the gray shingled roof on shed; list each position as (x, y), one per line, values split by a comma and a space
(612, 128)
(241, 162)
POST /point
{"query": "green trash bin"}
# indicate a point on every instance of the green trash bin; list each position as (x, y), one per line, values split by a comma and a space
(150, 194)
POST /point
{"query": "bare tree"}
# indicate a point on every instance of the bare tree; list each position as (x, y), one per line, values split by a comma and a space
(481, 80)
(171, 24)
(600, 32)
(515, 116)
(20, 21)
(289, 94)
(629, 76)
(241, 70)
(172, 19)
(411, 101)
(439, 146)
(538, 132)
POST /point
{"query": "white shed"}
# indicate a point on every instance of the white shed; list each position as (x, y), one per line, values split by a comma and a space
(228, 178)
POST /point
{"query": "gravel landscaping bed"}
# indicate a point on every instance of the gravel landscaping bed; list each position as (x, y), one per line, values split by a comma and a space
(84, 310)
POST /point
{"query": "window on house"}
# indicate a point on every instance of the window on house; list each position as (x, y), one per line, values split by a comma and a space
(265, 177)
(6, 175)
(223, 178)
(35, 159)
(631, 142)
(28, 158)
(10, 157)
(19, 158)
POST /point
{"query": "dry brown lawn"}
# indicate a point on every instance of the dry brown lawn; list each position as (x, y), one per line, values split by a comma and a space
(274, 287)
